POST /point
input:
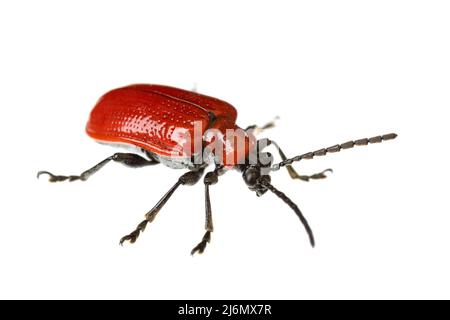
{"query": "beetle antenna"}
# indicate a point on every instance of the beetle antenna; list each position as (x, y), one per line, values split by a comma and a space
(335, 148)
(294, 207)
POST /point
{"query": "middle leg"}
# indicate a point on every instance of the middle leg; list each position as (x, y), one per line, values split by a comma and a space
(259, 129)
(211, 178)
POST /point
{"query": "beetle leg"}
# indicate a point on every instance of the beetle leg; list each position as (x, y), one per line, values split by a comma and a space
(211, 178)
(190, 178)
(291, 170)
(128, 159)
(315, 176)
(257, 129)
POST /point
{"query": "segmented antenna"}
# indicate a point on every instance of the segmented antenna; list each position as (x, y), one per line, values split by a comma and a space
(335, 148)
(294, 207)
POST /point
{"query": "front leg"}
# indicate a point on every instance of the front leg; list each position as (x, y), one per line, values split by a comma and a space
(315, 176)
(292, 173)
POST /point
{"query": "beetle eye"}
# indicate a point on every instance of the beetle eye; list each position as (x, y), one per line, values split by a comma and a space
(251, 176)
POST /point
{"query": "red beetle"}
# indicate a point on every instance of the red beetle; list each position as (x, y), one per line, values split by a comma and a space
(185, 129)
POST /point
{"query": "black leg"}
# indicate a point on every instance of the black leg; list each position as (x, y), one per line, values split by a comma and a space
(129, 159)
(315, 176)
(291, 170)
(257, 129)
(211, 178)
(190, 178)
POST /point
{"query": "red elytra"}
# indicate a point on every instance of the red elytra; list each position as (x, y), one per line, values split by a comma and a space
(158, 119)
(161, 121)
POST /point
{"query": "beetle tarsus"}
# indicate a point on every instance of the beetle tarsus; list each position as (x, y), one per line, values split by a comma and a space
(133, 236)
(255, 129)
(123, 239)
(316, 176)
(51, 177)
(200, 248)
(56, 178)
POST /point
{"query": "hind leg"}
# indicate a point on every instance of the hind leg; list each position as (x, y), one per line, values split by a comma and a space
(190, 178)
(128, 159)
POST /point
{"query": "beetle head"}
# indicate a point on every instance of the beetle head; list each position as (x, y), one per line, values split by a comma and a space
(256, 176)
(255, 179)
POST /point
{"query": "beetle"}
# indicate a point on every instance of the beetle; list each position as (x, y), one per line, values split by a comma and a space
(161, 123)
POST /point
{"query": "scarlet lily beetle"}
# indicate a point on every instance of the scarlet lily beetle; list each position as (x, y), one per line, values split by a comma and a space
(164, 123)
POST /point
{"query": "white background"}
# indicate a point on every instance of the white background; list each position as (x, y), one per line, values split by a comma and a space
(332, 71)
